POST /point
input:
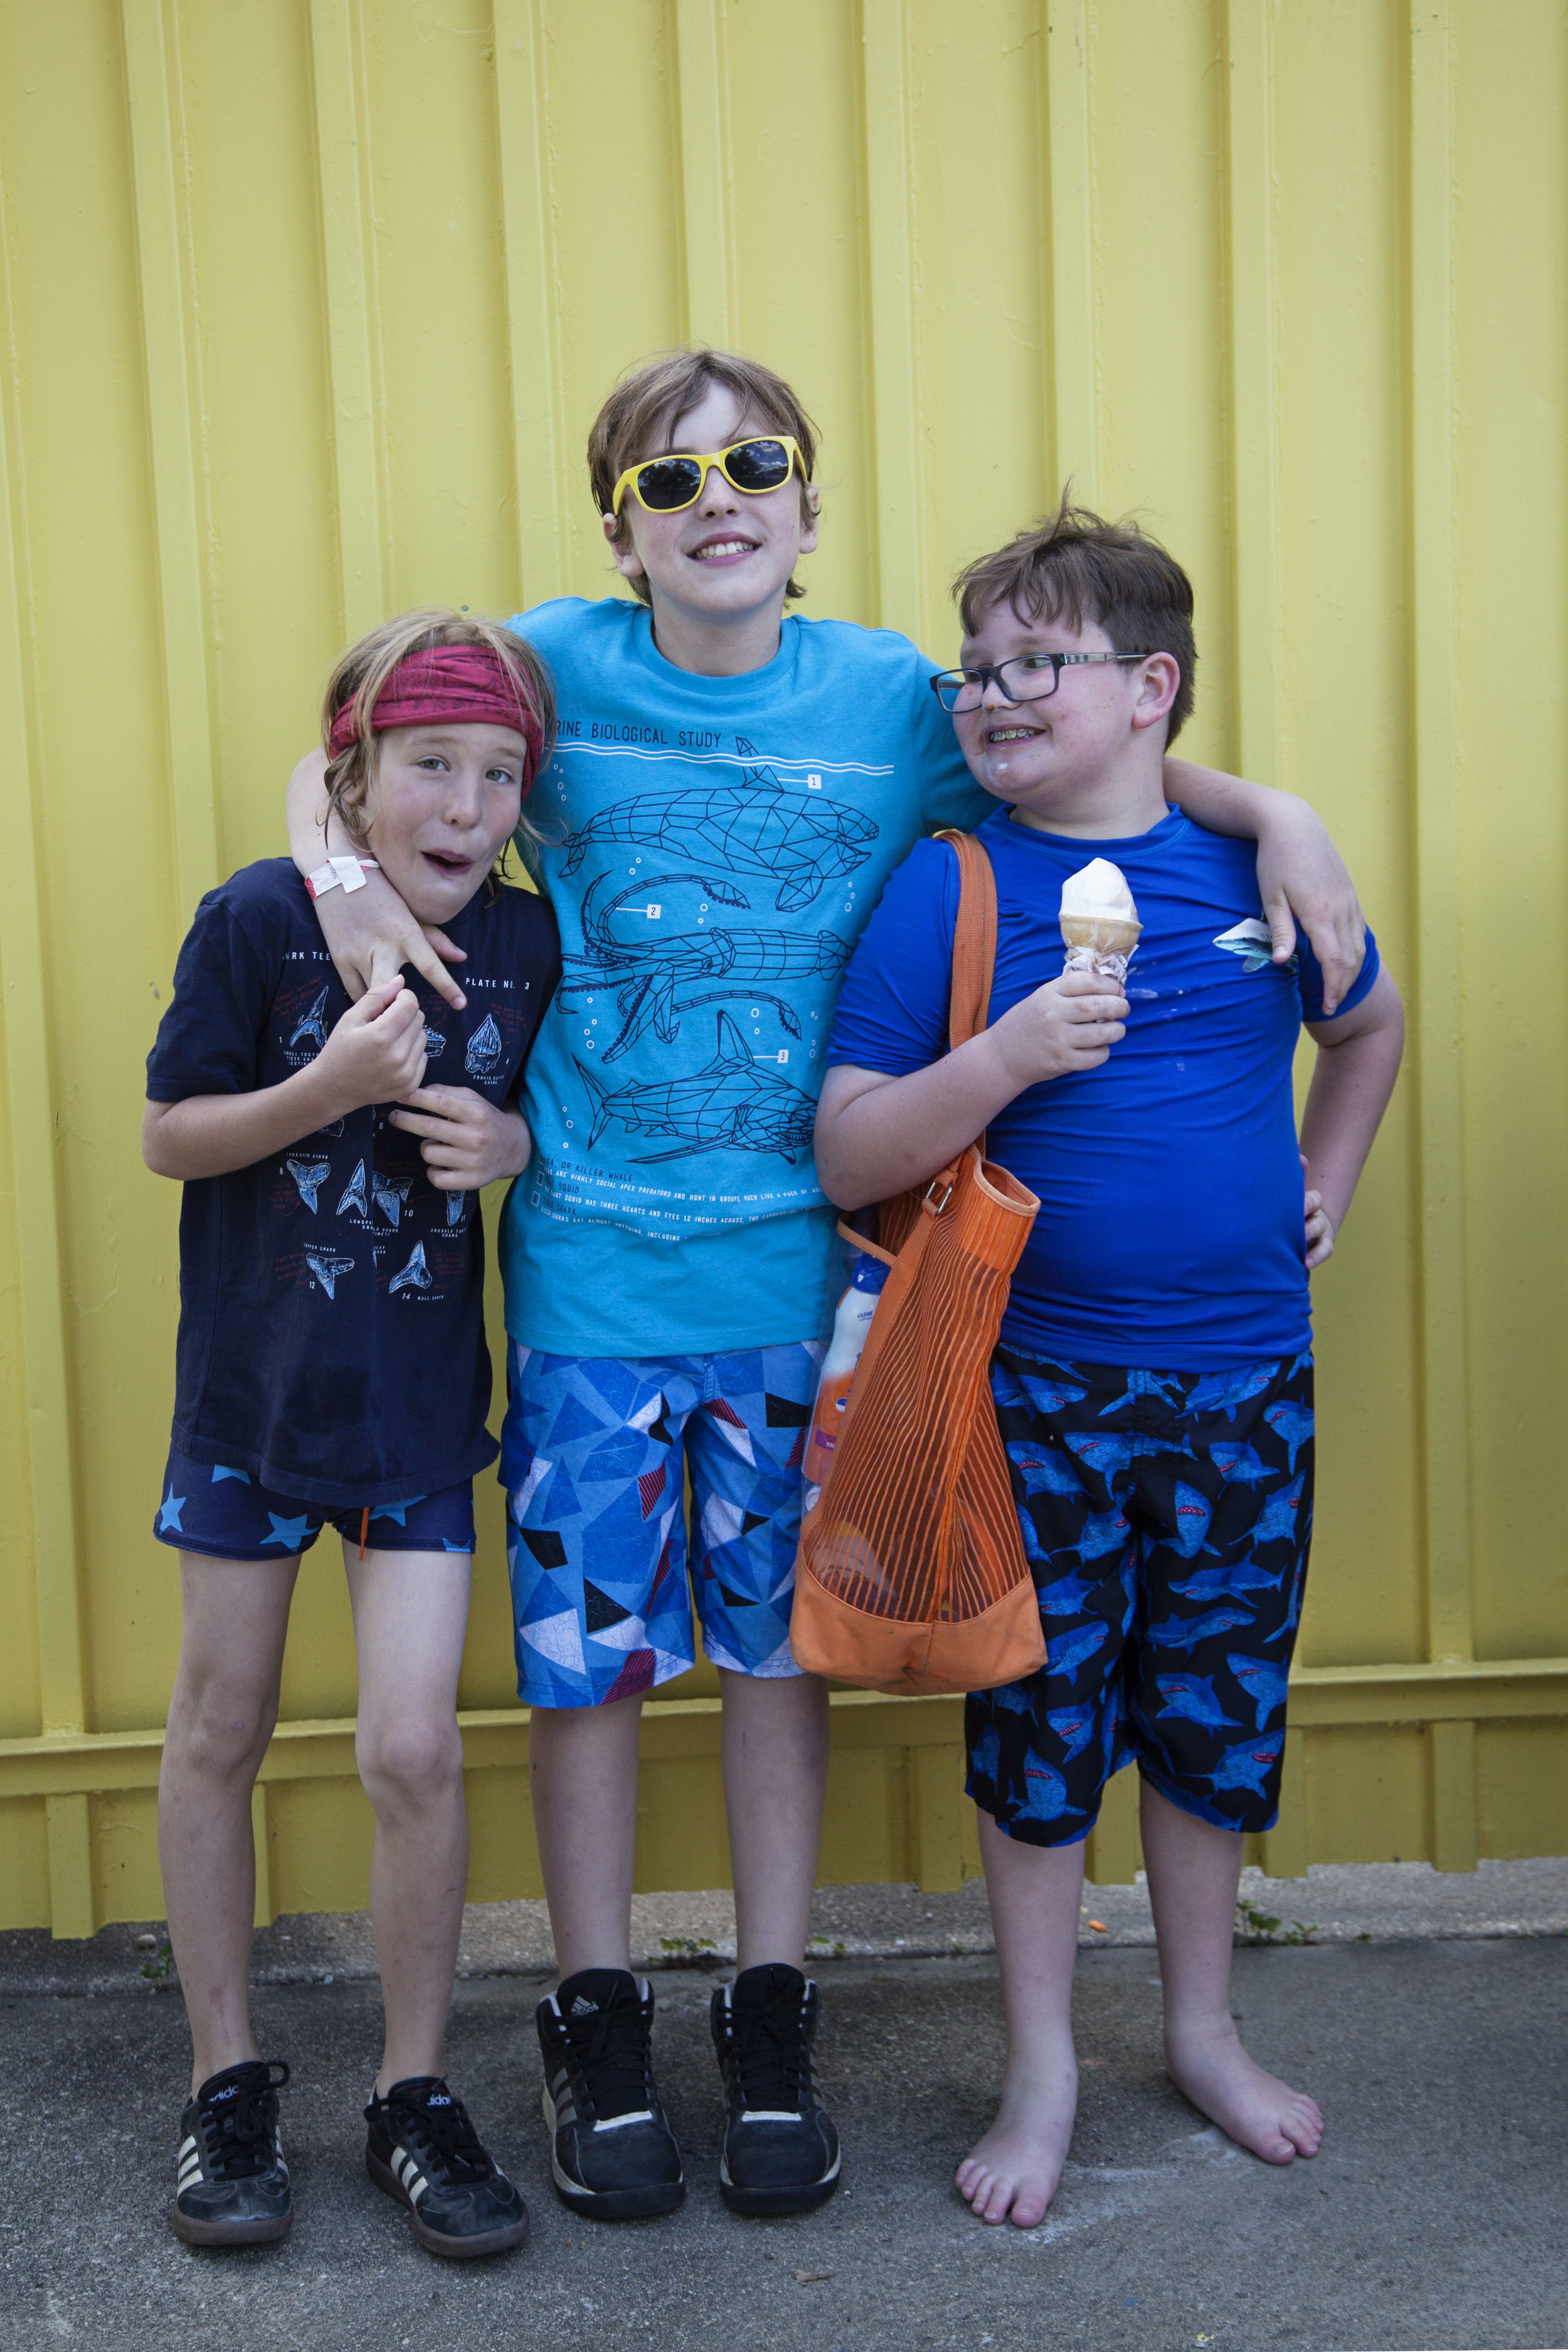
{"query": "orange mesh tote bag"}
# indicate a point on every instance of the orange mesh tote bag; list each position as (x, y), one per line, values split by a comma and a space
(911, 1574)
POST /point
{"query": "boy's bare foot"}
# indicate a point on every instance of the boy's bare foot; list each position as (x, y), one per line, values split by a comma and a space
(1258, 2111)
(1011, 2174)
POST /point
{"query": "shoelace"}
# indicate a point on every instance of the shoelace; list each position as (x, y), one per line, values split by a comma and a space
(769, 2051)
(446, 2131)
(612, 2053)
(239, 2132)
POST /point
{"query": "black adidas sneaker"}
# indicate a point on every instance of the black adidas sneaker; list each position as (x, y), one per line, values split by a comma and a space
(612, 2153)
(231, 2184)
(780, 2150)
(421, 2150)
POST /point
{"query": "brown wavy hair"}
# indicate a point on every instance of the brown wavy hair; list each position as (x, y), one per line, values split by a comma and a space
(1074, 567)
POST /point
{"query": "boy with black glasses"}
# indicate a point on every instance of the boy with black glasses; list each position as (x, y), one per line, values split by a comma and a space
(1153, 1382)
(731, 788)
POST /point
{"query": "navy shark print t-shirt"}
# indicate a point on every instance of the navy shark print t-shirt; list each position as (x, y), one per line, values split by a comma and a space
(1171, 1233)
(331, 1298)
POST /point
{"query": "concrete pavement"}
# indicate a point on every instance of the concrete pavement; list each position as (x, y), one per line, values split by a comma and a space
(1433, 2218)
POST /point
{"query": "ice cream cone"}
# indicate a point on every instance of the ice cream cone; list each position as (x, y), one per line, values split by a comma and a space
(1099, 921)
(1100, 934)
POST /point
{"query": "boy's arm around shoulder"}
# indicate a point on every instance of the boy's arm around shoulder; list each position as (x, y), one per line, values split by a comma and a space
(370, 933)
(1358, 1061)
(1301, 877)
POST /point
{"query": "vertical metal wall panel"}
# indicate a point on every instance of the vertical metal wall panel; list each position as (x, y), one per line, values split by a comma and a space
(1339, 78)
(304, 315)
(266, 425)
(1510, 311)
(541, 467)
(1072, 275)
(980, 227)
(798, 209)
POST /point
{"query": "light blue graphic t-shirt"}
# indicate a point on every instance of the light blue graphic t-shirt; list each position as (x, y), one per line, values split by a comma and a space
(712, 849)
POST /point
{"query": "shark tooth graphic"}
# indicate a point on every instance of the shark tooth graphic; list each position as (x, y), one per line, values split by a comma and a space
(327, 1267)
(414, 1276)
(392, 1194)
(311, 1026)
(484, 1056)
(354, 1193)
(456, 1203)
(308, 1175)
(434, 1043)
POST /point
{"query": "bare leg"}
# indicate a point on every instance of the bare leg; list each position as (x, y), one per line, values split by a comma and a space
(775, 1747)
(1194, 1871)
(1035, 1892)
(234, 1618)
(583, 1770)
(410, 1611)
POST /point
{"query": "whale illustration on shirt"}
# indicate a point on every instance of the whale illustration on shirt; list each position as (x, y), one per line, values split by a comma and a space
(756, 826)
(730, 1104)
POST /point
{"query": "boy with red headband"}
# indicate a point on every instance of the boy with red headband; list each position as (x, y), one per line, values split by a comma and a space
(331, 1369)
(731, 787)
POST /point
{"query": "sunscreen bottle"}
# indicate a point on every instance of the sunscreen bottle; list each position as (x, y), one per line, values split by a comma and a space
(851, 1326)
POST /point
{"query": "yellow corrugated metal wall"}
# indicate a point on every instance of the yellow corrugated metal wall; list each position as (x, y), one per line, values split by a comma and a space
(305, 307)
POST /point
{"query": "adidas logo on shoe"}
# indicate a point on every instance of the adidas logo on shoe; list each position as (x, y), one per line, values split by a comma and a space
(580, 2007)
(423, 2151)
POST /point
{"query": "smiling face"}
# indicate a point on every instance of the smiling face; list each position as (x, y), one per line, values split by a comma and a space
(730, 555)
(1086, 759)
(441, 804)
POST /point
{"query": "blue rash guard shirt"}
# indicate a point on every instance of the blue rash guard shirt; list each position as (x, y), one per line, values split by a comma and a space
(712, 847)
(331, 1298)
(1171, 1231)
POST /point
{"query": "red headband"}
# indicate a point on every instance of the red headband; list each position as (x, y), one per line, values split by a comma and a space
(462, 685)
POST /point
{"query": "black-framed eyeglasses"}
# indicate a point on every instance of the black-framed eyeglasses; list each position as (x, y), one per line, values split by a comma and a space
(1028, 677)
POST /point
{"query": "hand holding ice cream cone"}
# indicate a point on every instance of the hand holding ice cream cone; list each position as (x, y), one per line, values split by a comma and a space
(1099, 921)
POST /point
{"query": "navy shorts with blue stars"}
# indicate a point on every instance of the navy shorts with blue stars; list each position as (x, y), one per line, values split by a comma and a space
(1167, 1518)
(217, 1509)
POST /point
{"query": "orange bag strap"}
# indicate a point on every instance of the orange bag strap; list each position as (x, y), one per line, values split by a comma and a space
(974, 939)
(969, 991)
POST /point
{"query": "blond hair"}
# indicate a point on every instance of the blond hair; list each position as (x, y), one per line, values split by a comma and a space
(363, 672)
(644, 409)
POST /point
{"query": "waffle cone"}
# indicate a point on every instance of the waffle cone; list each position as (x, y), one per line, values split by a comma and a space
(1100, 934)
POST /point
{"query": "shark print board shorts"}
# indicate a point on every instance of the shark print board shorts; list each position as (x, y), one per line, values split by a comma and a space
(1167, 1517)
(594, 1456)
(216, 1509)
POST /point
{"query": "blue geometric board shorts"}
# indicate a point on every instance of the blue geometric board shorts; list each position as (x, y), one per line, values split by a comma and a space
(1167, 1518)
(594, 1454)
(210, 1508)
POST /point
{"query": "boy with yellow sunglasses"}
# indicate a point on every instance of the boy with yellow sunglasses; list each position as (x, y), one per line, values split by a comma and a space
(731, 786)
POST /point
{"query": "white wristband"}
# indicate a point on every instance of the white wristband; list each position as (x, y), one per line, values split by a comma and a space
(348, 871)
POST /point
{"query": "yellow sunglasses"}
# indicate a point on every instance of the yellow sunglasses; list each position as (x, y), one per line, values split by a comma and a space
(666, 485)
